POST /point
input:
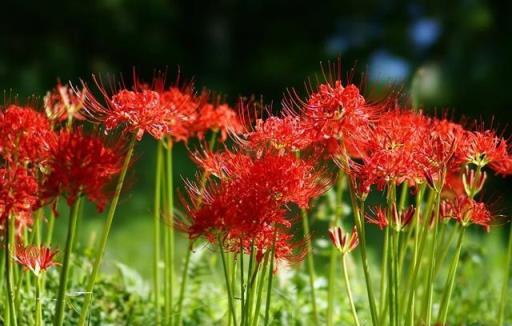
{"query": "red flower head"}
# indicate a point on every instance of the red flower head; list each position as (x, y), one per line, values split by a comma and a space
(64, 104)
(343, 241)
(399, 221)
(466, 211)
(18, 196)
(182, 105)
(35, 259)
(151, 109)
(217, 117)
(249, 200)
(82, 164)
(391, 153)
(483, 148)
(286, 134)
(378, 217)
(26, 135)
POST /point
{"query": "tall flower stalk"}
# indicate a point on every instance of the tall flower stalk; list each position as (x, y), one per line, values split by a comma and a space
(105, 232)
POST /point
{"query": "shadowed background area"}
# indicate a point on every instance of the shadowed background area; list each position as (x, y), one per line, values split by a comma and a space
(457, 53)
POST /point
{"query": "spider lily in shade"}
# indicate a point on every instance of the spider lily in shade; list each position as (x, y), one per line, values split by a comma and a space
(64, 104)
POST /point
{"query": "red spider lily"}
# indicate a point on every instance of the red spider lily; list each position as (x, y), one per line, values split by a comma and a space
(26, 135)
(466, 211)
(18, 196)
(343, 241)
(151, 109)
(286, 134)
(249, 200)
(35, 259)
(62, 103)
(400, 219)
(82, 164)
(218, 118)
(453, 186)
(378, 217)
(483, 148)
(391, 152)
(182, 106)
(340, 112)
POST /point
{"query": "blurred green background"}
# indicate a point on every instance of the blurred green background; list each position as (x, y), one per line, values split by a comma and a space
(458, 51)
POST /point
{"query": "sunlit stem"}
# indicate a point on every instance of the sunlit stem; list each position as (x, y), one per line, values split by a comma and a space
(105, 232)
(156, 231)
(339, 212)
(228, 283)
(270, 277)
(506, 278)
(450, 281)
(9, 248)
(170, 232)
(358, 219)
(383, 305)
(259, 296)
(431, 265)
(310, 264)
(349, 291)
(39, 306)
(64, 273)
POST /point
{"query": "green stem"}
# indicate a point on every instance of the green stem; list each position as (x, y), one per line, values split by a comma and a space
(49, 229)
(391, 279)
(446, 248)
(261, 282)
(105, 232)
(270, 277)
(39, 309)
(170, 239)
(64, 274)
(504, 289)
(411, 289)
(383, 305)
(362, 245)
(433, 250)
(156, 232)
(332, 257)
(349, 292)
(9, 248)
(248, 290)
(311, 264)
(228, 283)
(184, 277)
(450, 281)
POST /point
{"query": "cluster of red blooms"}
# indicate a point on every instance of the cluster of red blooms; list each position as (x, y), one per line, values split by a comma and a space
(174, 112)
(377, 145)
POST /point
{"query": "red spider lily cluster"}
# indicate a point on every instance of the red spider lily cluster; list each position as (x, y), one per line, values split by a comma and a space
(269, 171)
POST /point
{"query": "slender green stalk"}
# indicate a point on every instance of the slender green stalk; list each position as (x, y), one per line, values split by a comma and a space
(506, 277)
(105, 232)
(64, 273)
(396, 279)
(251, 273)
(49, 229)
(232, 269)
(259, 296)
(411, 290)
(431, 265)
(170, 228)
(270, 277)
(445, 249)
(349, 292)
(242, 286)
(184, 278)
(228, 283)
(156, 232)
(383, 304)
(334, 252)
(358, 218)
(39, 307)
(391, 279)
(450, 281)
(9, 248)
(311, 265)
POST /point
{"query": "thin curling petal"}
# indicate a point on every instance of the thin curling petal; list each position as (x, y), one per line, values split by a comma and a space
(64, 104)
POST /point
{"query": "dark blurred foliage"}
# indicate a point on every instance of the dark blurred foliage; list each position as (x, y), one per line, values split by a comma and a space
(457, 52)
